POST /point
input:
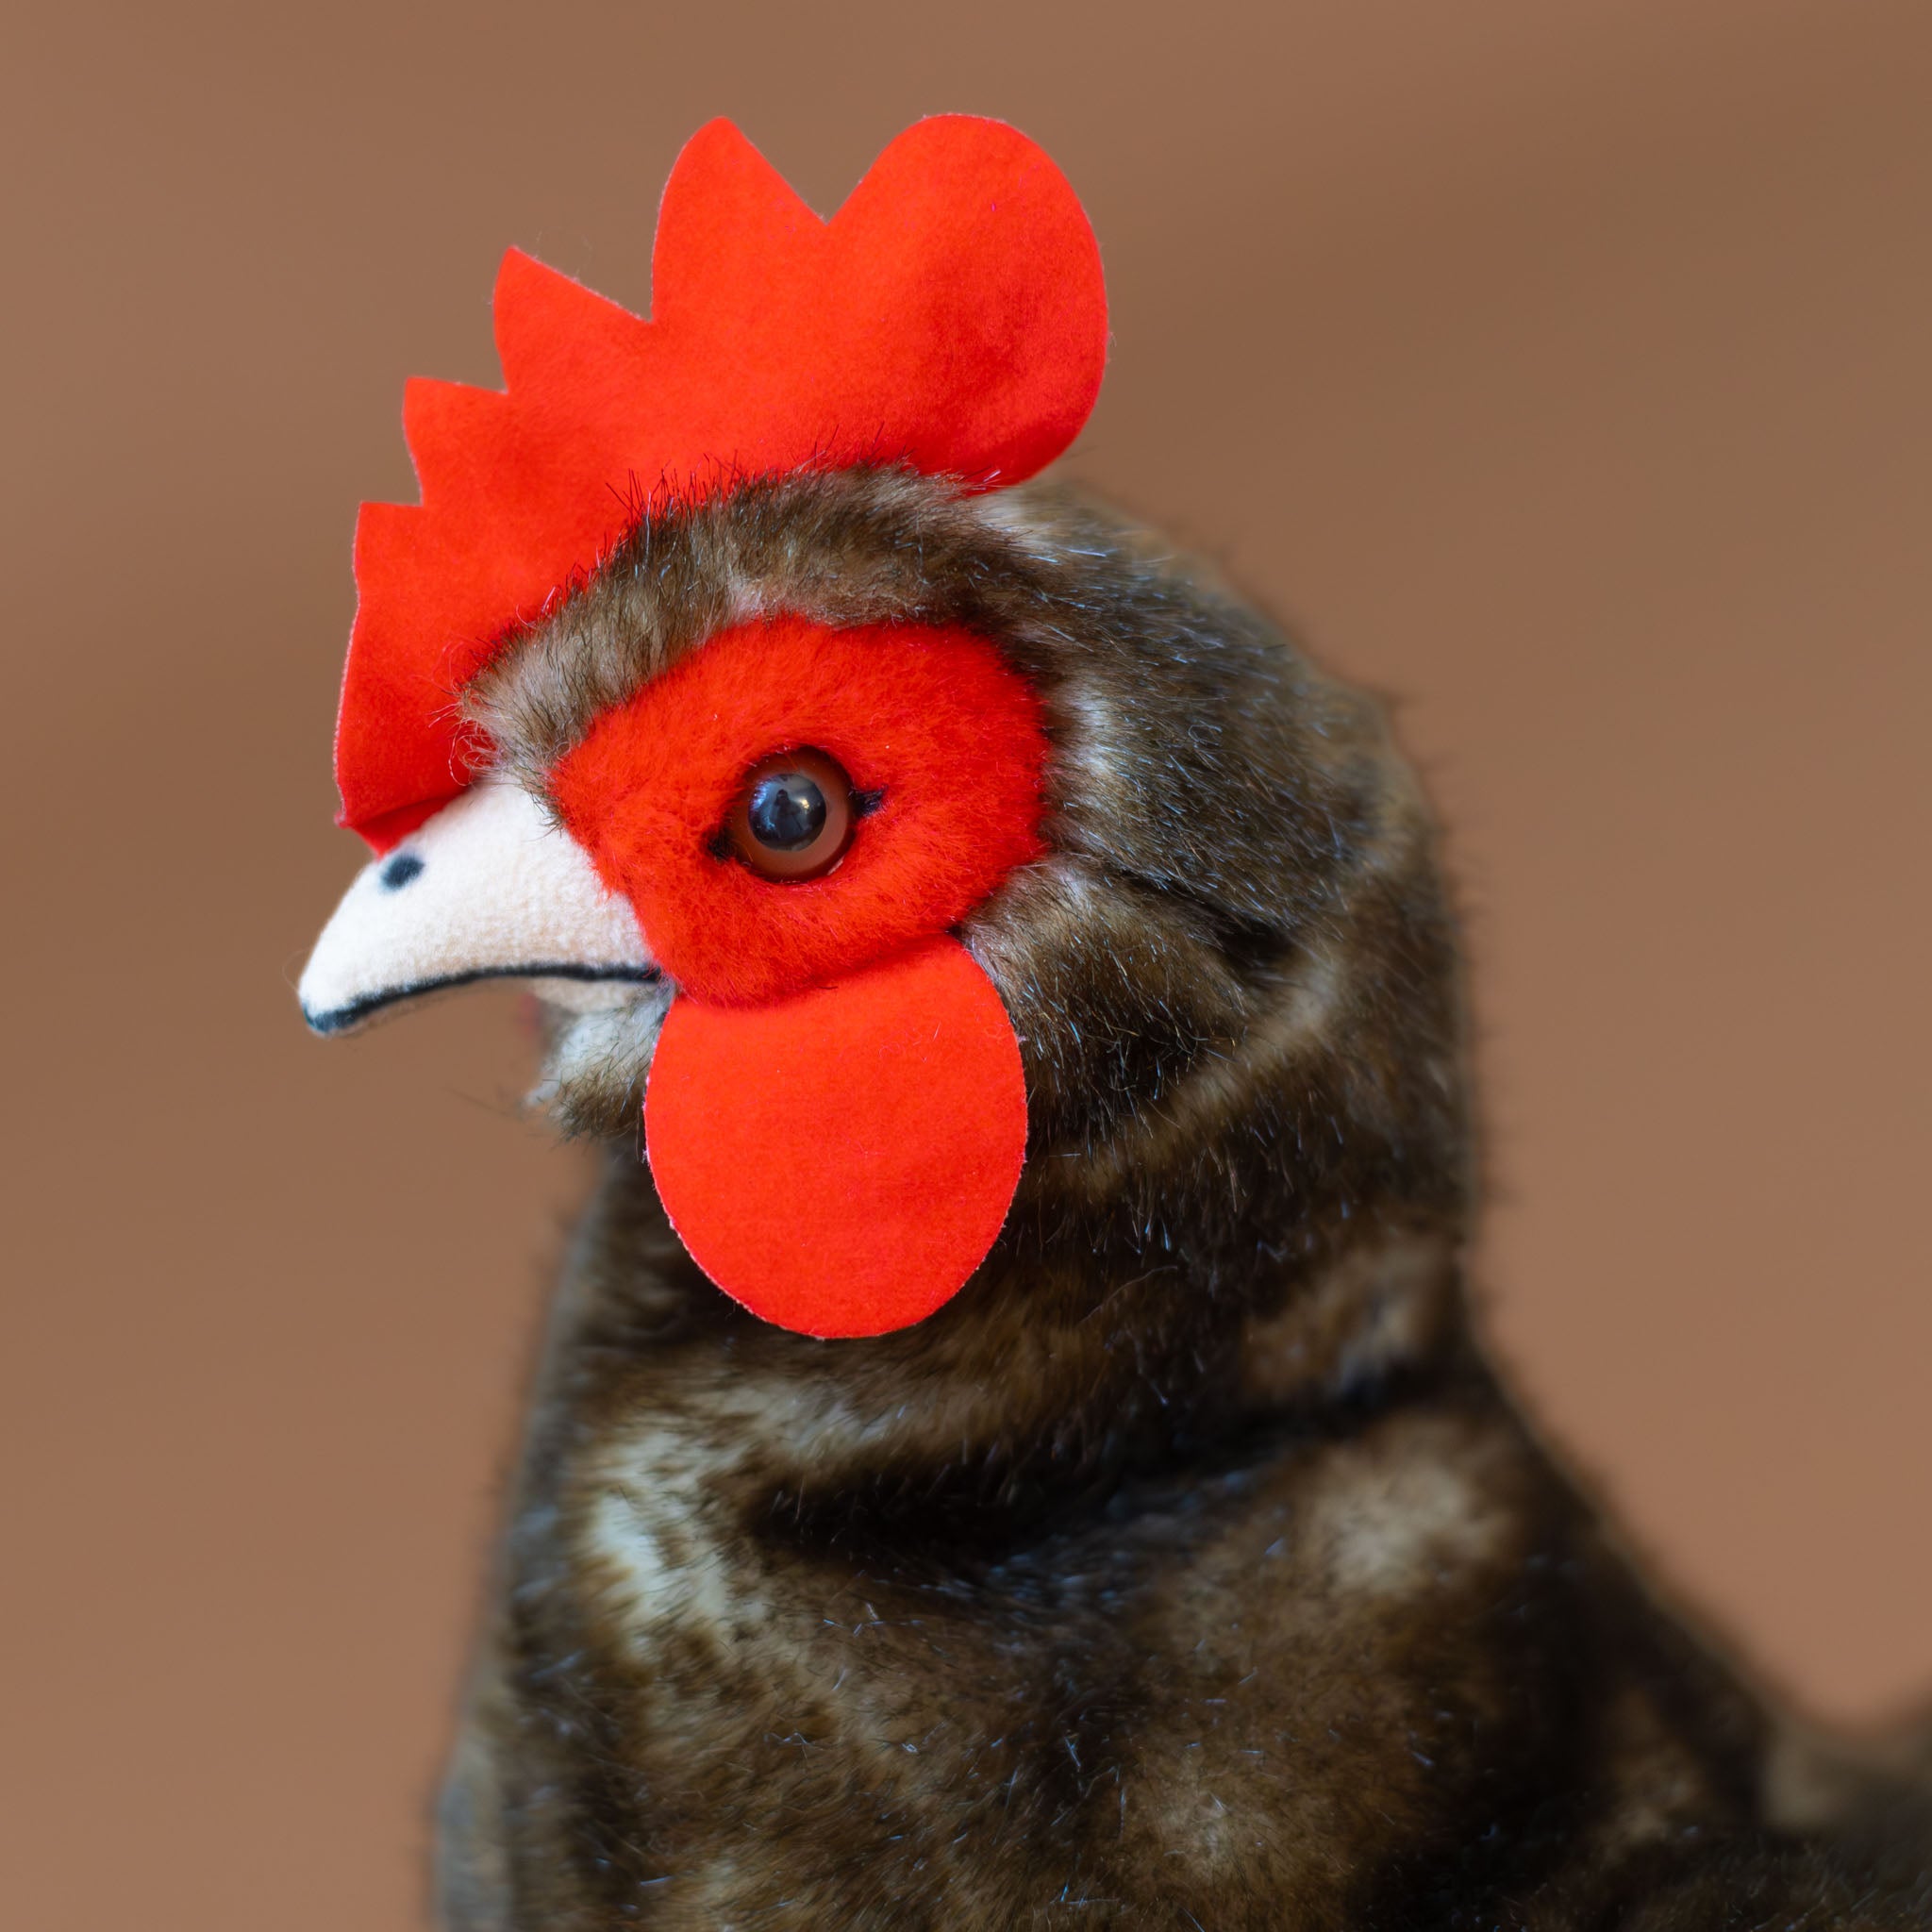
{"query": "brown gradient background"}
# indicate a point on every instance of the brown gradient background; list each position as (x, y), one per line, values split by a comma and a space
(1565, 369)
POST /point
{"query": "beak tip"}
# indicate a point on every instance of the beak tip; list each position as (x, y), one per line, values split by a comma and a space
(329, 1019)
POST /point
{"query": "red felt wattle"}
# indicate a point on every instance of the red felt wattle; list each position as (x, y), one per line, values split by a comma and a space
(951, 316)
(930, 720)
(841, 1161)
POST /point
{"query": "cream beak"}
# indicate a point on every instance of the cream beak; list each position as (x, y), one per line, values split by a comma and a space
(487, 889)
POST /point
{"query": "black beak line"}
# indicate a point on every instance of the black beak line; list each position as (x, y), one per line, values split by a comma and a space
(341, 1019)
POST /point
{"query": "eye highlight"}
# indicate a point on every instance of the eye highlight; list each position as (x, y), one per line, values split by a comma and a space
(794, 816)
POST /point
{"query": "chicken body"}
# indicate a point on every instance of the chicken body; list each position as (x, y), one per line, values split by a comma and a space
(1190, 1567)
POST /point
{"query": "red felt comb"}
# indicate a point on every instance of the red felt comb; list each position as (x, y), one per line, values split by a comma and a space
(951, 316)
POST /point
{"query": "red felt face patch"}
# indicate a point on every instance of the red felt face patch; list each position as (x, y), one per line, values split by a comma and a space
(942, 741)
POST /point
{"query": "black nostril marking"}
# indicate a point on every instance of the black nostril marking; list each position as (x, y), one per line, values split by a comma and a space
(400, 871)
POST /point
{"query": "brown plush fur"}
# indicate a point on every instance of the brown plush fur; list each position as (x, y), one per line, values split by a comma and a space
(1189, 1568)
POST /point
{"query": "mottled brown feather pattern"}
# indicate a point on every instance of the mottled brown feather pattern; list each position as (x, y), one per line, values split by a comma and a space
(1189, 1568)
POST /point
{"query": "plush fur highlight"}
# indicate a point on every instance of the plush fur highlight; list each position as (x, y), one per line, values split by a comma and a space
(928, 719)
(1189, 1568)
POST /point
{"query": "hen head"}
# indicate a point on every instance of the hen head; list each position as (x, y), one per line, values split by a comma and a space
(942, 871)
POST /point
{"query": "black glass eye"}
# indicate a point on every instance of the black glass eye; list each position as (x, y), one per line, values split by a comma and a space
(786, 811)
(794, 815)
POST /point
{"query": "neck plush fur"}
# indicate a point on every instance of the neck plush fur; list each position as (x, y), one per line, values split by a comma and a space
(1187, 1569)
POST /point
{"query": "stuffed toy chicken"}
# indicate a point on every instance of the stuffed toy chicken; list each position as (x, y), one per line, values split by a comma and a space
(1011, 1449)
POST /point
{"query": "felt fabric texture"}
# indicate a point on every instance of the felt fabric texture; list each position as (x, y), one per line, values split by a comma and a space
(932, 719)
(951, 316)
(841, 1161)
(486, 888)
